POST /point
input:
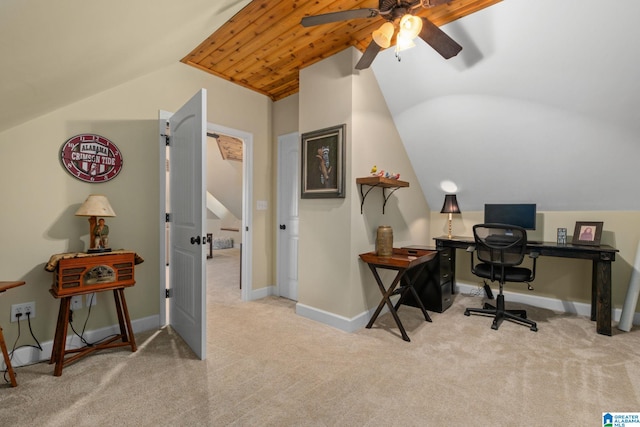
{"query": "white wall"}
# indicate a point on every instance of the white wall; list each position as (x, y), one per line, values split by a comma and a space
(540, 106)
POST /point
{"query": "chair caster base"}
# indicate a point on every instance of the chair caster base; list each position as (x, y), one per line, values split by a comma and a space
(516, 316)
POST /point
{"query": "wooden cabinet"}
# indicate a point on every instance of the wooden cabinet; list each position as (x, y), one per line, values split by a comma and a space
(435, 283)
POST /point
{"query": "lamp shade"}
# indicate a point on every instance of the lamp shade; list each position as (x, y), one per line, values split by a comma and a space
(450, 204)
(96, 205)
(382, 36)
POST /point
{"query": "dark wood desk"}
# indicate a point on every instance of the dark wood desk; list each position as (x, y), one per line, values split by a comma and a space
(601, 256)
(409, 264)
(7, 361)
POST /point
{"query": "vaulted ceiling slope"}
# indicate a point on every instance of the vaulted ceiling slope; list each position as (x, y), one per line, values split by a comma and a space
(56, 53)
(263, 46)
(542, 105)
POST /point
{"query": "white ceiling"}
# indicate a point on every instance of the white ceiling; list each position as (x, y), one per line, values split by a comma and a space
(542, 105)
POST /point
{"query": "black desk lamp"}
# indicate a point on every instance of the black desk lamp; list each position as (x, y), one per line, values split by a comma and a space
(450, 207)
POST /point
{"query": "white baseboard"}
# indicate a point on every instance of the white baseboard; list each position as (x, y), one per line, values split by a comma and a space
(339, 322)
(29, 355)
(359, 321)
(267, 291)
(579, 308)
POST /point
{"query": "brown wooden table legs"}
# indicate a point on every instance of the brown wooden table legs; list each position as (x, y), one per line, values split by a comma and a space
(4, 286)
(59, 352)
(407, 286)
(7, 360)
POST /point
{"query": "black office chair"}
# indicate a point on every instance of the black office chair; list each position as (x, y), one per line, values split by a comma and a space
(500, 249)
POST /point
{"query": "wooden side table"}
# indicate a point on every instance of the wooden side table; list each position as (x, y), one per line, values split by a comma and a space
(408, 264)
(7, 361)
(79, 274)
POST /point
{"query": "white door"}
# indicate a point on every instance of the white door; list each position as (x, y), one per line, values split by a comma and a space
(288, 193)
(187, 302)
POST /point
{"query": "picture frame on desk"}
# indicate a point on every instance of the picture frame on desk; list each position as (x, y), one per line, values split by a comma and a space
(587, 233)
(323, 160)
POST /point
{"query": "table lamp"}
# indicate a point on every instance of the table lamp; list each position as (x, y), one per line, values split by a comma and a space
(450, 207)
(96, 206)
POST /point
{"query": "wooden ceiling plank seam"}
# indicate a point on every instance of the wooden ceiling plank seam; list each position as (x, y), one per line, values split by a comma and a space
(254, 31)
(269, 62)
(284, 47)
(272, 35)
(228, 78)
(296, 59)
(444, 14)
(227, 31)
(278, 51)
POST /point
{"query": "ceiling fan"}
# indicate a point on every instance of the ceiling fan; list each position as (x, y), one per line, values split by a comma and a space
(396, 13)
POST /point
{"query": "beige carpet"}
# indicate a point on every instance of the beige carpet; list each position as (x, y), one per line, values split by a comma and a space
(267, 366)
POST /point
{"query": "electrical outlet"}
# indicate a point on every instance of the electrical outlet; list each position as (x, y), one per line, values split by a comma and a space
(92, 299)
(23, 309)
(76, 302)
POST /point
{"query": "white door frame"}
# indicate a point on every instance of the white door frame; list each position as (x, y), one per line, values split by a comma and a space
(247, 190)
(163, 117)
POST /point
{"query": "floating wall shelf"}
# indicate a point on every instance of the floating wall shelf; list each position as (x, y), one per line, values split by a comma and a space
(380, 182)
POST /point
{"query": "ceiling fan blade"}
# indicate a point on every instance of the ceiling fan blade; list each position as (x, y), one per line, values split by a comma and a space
(439, 40)
(368, 56)
(343, 15)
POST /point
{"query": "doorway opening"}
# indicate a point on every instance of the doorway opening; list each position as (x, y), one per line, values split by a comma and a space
(226, 145)
(245, 258)
(224, 189)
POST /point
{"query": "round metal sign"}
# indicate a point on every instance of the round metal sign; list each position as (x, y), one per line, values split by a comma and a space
(91, 158)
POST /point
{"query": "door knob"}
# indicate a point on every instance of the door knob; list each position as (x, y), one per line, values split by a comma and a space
(195, 240)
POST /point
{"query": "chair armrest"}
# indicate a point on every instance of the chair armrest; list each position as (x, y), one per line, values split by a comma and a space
(534, 255)
(471, 248)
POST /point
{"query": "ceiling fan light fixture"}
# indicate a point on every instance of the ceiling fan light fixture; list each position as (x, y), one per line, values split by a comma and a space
(382, 36)
(403, 42)
(410, 26)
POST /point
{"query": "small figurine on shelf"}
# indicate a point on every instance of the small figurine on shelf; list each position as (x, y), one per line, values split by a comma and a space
(101, 236)
(374, 169)
(381, 173)
(395, 176)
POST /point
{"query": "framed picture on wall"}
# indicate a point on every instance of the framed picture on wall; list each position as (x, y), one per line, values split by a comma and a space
(587, 233)
(323, 161)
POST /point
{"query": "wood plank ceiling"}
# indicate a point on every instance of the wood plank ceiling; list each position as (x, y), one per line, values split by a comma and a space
(263, 47)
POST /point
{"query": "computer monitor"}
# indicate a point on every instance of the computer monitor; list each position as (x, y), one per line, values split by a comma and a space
(520, 214)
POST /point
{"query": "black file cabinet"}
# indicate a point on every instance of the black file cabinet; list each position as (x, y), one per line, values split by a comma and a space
(435, 283)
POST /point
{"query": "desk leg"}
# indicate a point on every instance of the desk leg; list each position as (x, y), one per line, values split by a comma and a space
(407, 283)
(60, 340)
(601, 296)
(386, 293)
(123, 318)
